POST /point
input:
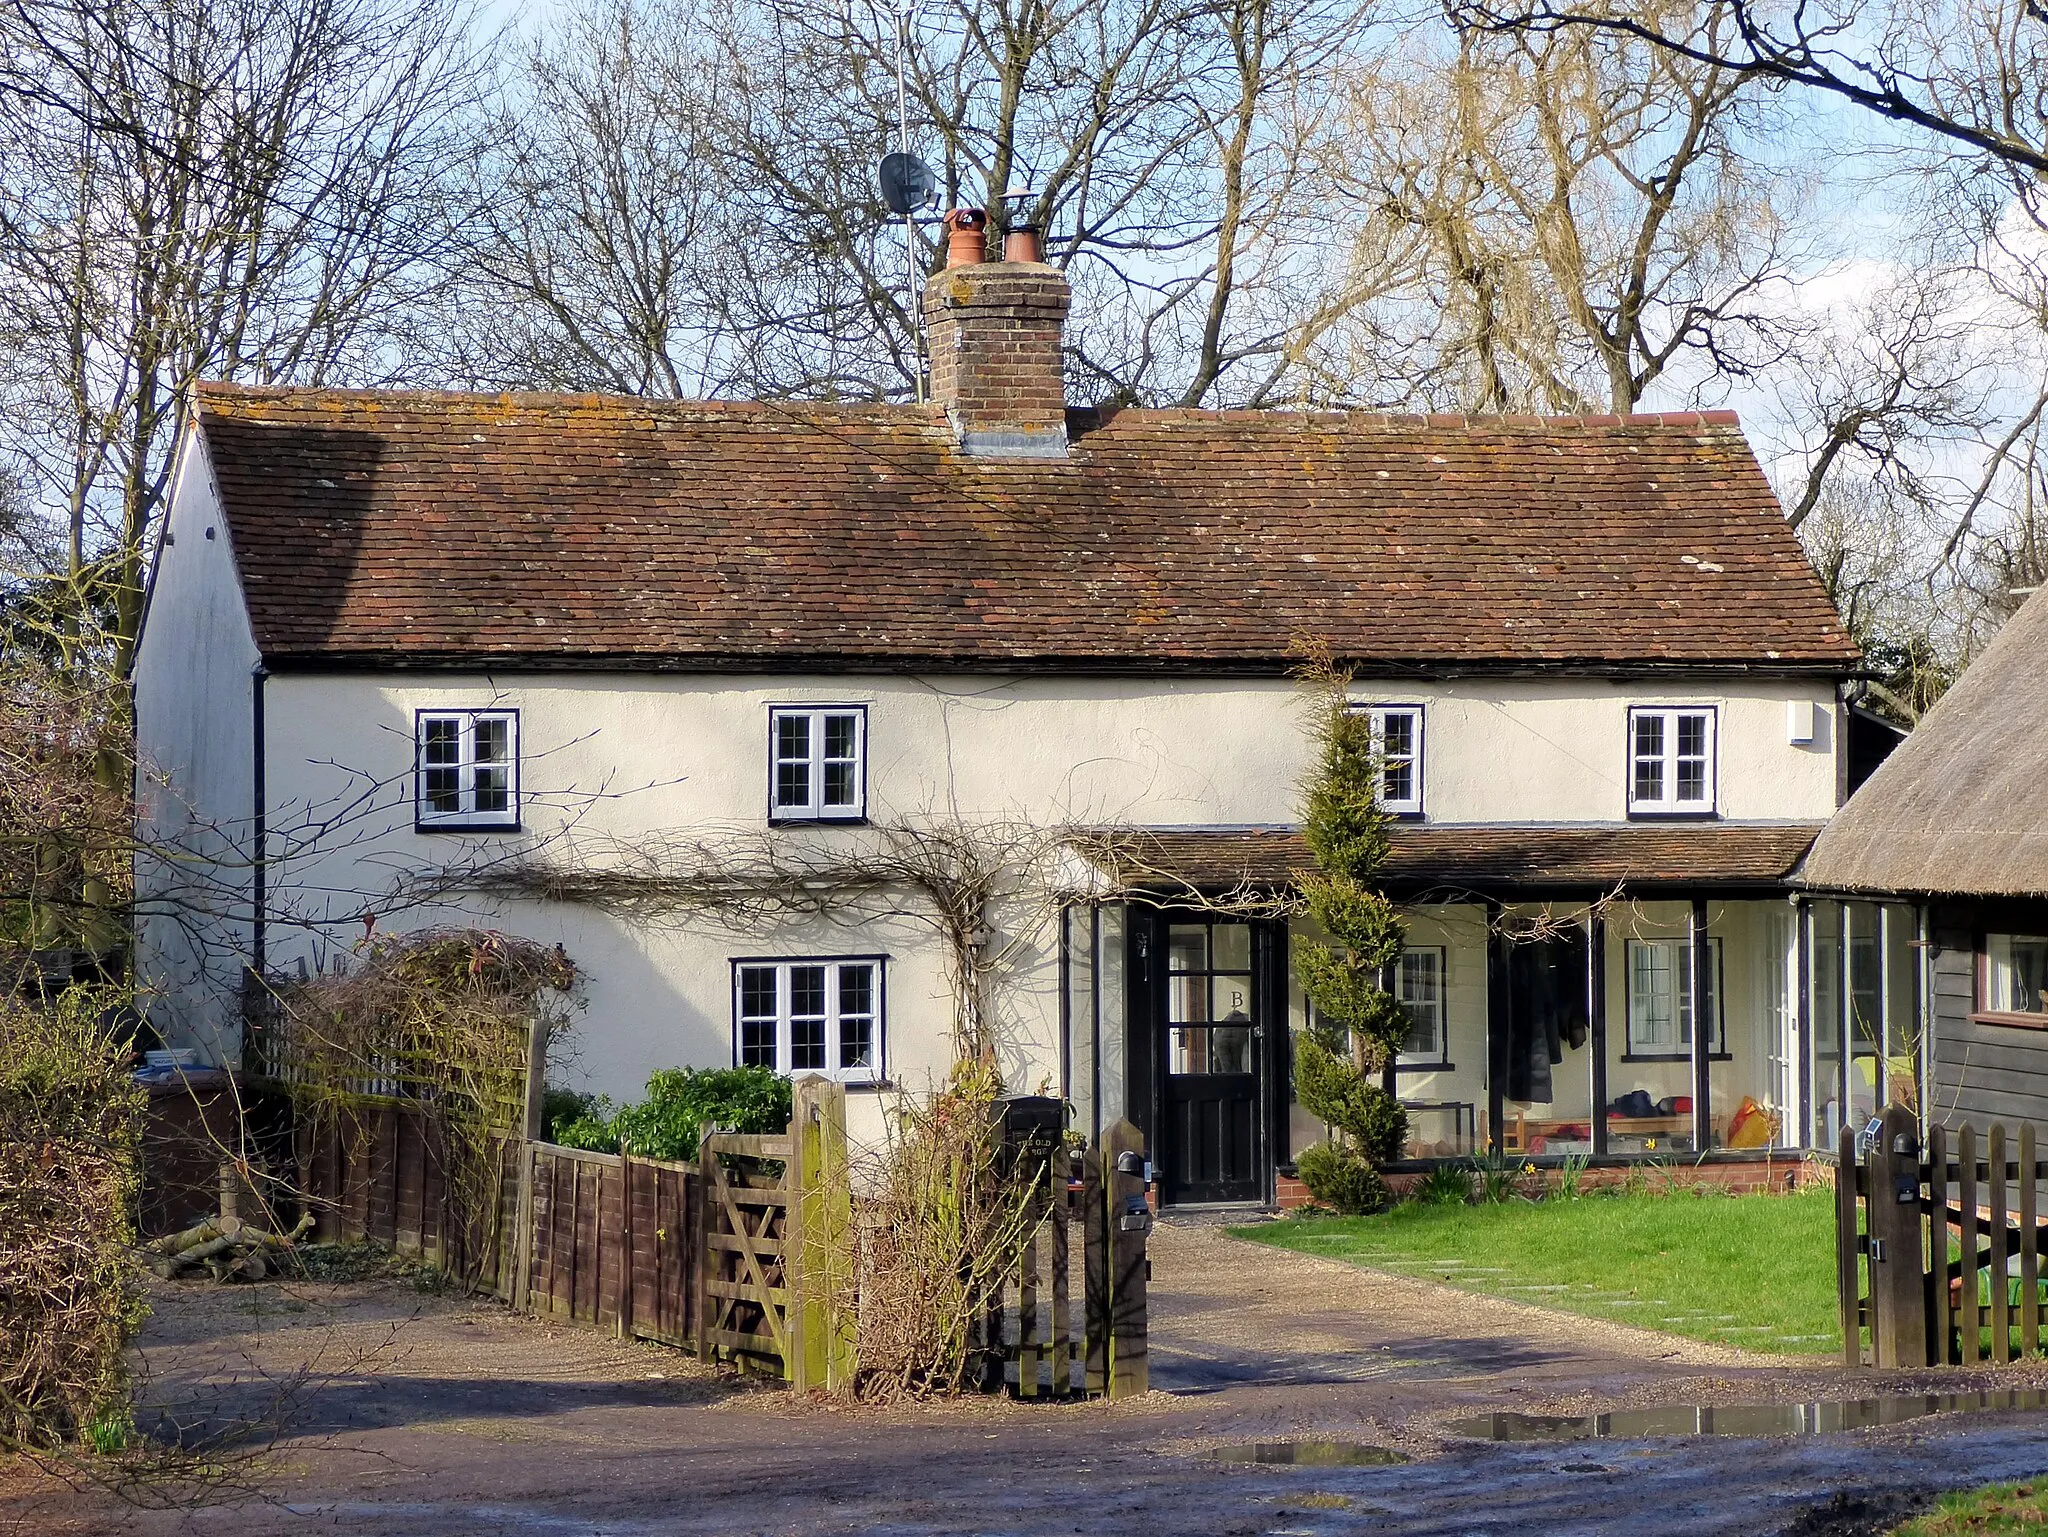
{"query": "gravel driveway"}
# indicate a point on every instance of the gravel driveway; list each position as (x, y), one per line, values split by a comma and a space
(445, 1418)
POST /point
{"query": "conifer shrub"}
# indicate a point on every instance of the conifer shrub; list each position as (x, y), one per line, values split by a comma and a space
(1355, 1026)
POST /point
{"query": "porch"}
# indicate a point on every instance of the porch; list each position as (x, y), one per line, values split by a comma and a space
(1632, 993)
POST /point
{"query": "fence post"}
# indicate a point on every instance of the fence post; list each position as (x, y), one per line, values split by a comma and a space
(817, 1264)
(531, 1126)
(1123, 1303)
(1848, 1281)
(1898, 1267)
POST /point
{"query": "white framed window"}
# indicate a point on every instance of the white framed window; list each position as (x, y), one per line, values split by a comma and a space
(817, 763)
(1660, 1002)
(1418, 986)
(466, 768)
(1397, 743)
(822, 1016)
(1671, 760)
(2015, 974)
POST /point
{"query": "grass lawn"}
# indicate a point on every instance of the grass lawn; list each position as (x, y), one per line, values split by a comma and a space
(1757, 1271)
(2006, 1509)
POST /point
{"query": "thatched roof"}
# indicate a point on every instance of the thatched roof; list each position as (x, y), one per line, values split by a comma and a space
(1961, 808)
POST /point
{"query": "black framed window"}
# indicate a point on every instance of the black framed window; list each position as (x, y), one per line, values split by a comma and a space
(466, 768)
(1660, 1002)
(1416, 979)
(817, 763)
(810, 1016)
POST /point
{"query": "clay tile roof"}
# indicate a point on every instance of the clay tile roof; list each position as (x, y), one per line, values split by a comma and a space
(419, 529)
(1444, 858)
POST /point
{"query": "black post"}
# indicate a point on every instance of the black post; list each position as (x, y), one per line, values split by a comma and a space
(1802, 939)
(1496, 1025)
(1596, 986)
(1702, 1027)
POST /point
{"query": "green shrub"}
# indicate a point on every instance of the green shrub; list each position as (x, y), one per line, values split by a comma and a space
(1445, 1185)
(679, 1101)
(1337, 1177)
(69, 1298)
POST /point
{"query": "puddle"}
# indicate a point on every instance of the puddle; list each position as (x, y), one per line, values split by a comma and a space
(1311, 1454)
(1809, 1419)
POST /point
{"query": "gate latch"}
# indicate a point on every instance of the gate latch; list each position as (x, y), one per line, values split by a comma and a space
(1877, 1251)
(1137, 1216)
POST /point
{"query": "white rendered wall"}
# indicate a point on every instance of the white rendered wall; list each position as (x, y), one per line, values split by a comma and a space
(194, 691)
(614, 765)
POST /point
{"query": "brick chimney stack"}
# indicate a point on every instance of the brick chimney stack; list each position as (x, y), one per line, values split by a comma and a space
(995, 331)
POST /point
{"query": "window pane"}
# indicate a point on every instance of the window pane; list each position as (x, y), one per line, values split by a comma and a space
(1692, 779)
(1397, 739)
(839, 736)
(1233, 947)
(839, 784)
(856, 989)
(793, 736)
(757, 992)
(493, 791)
(1652, 996)
(1649, 736)
(1187, 947)
(1397, 785)
(792, 784)
(444, 790)
(493, 740)
(807, 990)
(1231, 999)
(757, 1043)
(856, 1043)
(442, 741)
(2030, 976)
(1692, 735)
(1649, 785)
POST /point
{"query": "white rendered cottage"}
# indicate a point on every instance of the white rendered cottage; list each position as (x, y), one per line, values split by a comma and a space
(403, 650)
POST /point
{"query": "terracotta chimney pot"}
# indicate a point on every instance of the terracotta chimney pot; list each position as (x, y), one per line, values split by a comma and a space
(966, 237)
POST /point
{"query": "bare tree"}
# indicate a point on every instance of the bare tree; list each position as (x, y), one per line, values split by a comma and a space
(683, 200)
(203, 189)
(1597, 216)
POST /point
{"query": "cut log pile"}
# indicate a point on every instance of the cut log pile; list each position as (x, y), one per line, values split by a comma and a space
(226, 1247)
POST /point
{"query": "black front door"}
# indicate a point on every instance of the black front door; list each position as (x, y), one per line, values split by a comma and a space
(1214, 1039)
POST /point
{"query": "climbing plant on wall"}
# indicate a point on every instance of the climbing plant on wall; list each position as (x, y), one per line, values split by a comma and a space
(1355, 1026)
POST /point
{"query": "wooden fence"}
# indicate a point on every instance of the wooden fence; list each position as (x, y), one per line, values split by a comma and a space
(1938, 1248)
(607, 1241)
(748, 1255)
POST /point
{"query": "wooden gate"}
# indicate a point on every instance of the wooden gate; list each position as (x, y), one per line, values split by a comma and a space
(1938, 1249)
(743, 1262)
(1036, 1341)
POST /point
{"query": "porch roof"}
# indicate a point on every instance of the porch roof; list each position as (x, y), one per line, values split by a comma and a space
(1482, 858)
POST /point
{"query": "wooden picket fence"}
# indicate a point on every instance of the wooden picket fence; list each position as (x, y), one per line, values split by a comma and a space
(1939, 1247)
(747, 1256)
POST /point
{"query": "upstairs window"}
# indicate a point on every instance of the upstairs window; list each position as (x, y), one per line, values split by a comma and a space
(1671, 761)
(821, 1017)
(1397, 742)
(817, 763)
(466, 769)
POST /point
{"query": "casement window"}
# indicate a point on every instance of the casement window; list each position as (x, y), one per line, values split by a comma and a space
(1671, 761)
(466, 769)
(817, 763)
(1660, 1001)
(820, 1017)
(1397, 743)
(2014, 975)
(1417, 982)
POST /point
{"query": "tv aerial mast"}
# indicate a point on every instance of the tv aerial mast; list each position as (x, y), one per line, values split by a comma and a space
(908, 188)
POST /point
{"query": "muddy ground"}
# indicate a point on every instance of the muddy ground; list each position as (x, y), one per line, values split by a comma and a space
(414, 1416)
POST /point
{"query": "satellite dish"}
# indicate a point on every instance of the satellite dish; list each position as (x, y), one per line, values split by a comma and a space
(907, 183)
